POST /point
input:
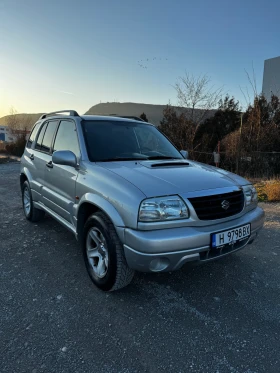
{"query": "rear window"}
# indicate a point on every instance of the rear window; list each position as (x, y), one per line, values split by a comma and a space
(40, 137)
(33, 135)
(48, 136)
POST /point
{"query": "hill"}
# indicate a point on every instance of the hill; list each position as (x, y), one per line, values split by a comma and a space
(25, 120)
(154, 113)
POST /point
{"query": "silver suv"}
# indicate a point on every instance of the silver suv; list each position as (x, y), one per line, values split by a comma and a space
(133, 201)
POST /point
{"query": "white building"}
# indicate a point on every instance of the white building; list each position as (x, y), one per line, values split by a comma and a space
(271, 77)
(6, 135)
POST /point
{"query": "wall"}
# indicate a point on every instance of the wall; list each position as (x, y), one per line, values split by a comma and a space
(271, 77)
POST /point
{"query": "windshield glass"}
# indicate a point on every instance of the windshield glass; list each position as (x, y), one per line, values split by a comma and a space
(116, 140)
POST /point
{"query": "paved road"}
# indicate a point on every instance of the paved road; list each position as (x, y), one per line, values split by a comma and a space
(220, 317)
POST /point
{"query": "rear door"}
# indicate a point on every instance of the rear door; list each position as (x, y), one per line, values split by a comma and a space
(42, 153)
(38, 155)
(27, 161)
(60, 181)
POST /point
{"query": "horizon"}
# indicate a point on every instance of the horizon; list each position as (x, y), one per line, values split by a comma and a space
(127, 52)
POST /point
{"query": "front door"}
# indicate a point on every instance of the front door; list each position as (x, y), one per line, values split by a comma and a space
(60, 181)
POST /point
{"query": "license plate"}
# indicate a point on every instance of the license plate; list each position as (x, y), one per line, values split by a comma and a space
(231, 236)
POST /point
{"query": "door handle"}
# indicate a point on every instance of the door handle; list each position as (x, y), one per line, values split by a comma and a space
(31, 157)
(49, 164)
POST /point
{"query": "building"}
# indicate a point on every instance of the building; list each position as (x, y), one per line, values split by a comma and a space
(271, 77)
(7, 136)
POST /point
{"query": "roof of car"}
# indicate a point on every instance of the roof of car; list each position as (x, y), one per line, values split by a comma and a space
(109, 117)
(73, 113)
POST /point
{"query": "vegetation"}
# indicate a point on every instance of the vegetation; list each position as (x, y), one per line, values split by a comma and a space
(17, 148)
(198, 97)
(249, 140)
(144, 117)
(214, 129)
(268, 191)
(19, 127)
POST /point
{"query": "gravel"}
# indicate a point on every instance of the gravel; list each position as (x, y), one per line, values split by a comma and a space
(219, 317)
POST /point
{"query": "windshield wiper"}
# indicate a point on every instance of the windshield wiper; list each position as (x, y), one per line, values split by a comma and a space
(155, 157)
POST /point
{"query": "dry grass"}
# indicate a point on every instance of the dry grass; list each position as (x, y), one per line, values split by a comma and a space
(268, 191)
(272, 189)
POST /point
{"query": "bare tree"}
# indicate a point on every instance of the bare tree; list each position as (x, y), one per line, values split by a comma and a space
(18, 126)
(13, 122)
(198, 96)
(197, 93)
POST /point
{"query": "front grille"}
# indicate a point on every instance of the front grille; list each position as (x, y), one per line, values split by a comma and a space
(210, 207)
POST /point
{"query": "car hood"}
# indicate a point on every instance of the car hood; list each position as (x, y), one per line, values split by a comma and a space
(158, 178)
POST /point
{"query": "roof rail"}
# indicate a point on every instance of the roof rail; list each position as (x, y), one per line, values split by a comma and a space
(127, 117)
(73, 113)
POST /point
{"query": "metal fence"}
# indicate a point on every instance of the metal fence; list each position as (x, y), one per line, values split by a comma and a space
(265, 165)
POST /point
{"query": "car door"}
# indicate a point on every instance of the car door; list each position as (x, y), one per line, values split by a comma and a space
(40, 155)
(27, 162)
(59, 180)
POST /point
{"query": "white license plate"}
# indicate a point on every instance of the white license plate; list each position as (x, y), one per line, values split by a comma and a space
(231, 236)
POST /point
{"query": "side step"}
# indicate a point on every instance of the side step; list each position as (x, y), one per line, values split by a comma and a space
(53, 214)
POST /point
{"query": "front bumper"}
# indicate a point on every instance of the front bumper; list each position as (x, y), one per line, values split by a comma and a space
(168, 249)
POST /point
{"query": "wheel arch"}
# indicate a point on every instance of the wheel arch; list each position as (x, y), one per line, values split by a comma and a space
(25, 175)
(91, 204)
(22, 179)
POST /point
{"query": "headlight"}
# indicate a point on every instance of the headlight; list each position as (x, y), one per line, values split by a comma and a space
(251, 195)
(163, 208)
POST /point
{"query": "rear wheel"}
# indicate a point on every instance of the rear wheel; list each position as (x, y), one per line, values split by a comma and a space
(103, 254)
(31, 213)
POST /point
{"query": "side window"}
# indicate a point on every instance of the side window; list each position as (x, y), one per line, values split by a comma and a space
(32, 135)
(48, 136)
(66, 138)
(40, 137)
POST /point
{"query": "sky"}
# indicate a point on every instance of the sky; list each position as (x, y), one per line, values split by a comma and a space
(73, 54)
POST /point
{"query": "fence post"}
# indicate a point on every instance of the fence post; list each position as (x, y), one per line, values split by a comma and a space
(239, 144)
(216, 158)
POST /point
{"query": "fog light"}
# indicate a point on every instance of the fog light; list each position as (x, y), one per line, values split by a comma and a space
(159, 264)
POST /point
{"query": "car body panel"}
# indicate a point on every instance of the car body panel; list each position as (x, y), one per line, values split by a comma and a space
(168, 180)
(59, 190)
(94, 181)
(36, 168)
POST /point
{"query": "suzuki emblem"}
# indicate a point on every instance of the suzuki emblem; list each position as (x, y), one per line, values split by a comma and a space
(225, 204)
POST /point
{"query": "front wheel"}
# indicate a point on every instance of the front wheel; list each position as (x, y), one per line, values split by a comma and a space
(103, 254)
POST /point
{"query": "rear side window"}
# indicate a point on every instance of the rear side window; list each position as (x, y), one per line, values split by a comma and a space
(40, 137)
(48, 136)
(32, 135)
(66, 138)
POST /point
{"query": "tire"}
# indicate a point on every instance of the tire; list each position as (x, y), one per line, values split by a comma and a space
(31, 213)
(103, 254)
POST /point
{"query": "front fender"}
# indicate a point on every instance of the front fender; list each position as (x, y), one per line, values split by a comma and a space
(103, 205)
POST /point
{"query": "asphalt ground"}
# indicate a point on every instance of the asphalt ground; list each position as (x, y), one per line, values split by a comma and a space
(219, 317)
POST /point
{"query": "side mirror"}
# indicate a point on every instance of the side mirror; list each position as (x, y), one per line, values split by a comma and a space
(65, 158)
(185, 153)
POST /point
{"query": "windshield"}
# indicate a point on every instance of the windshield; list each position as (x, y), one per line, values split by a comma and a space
(116, 140)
